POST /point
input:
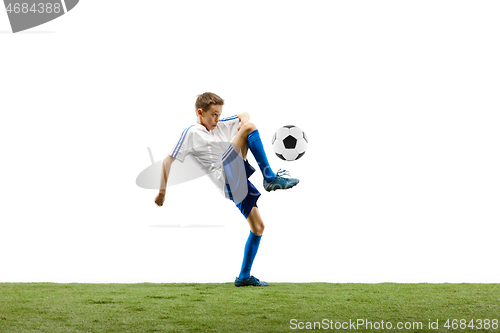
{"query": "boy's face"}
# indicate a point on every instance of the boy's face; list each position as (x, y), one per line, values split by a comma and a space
(210, 118)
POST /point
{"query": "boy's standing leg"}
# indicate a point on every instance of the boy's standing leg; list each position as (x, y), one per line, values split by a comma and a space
(251, 247)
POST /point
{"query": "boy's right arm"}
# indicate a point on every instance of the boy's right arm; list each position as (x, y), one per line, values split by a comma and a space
(165, 171)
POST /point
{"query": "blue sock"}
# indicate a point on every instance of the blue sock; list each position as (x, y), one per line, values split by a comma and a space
(257, 149)
(251, 248)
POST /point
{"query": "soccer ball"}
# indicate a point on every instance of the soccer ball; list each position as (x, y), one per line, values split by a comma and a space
(289, 143)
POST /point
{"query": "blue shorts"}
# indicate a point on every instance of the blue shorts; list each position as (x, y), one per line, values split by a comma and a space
(238, 188)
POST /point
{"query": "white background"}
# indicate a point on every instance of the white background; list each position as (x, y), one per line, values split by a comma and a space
(400, 101)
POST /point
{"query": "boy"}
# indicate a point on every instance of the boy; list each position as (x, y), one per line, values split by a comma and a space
(207, 140)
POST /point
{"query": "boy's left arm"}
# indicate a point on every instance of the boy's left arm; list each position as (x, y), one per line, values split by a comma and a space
(244, 118)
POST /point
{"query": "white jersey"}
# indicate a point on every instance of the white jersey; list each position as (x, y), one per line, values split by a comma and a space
(207, 147)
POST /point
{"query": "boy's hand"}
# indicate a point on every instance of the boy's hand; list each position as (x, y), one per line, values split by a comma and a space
(244, 118)
(160, 198)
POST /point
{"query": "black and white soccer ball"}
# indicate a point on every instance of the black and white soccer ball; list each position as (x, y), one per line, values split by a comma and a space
(290, 143)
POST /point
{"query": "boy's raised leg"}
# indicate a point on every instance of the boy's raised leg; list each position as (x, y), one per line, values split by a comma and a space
(249, 138)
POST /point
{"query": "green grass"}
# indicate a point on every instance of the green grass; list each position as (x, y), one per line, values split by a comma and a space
(48, 307)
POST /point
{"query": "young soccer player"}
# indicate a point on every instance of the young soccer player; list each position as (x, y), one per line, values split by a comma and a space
(221, 146)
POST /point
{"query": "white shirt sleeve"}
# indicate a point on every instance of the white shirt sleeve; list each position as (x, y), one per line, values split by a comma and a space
(229, 126)
(184, 145)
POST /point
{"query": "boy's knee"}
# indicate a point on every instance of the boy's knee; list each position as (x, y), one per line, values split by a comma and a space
(249, 127)
(259, 229)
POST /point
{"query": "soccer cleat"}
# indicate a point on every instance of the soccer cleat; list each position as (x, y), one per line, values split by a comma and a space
(251, 281)
(280, 182)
